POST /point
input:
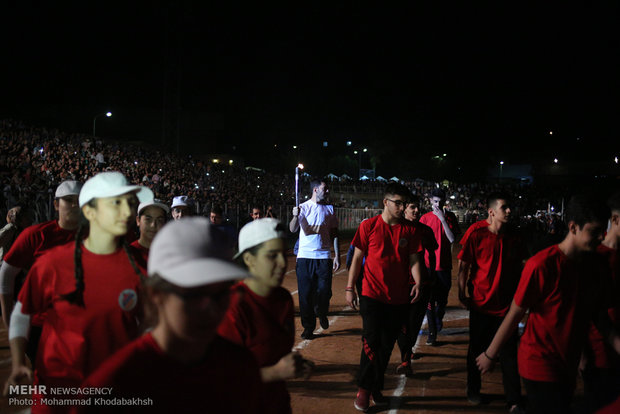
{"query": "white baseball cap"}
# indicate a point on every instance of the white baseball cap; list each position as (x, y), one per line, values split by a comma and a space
(181, 201)
(259, 231)
(67, 188)
(154, 202)
(192, 252)
(111, 184)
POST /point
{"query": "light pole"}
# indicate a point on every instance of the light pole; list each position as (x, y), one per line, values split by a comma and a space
(360, 161)
(108, 114)
(501, 166)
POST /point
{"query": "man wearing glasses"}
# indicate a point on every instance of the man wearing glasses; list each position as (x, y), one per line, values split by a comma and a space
(392, 247)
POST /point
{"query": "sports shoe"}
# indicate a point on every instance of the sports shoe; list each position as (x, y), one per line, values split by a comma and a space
(516, 409)
(405, 369)
(362, 401)
(379, 399)
(307, 334)
(431, 341)
(324, 322)
(474, 398)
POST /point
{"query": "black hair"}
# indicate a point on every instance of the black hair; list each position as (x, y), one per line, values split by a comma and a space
(394, 188)
(76, 297)
(316, 182)
(217, 210)
(438, 192)
(614, 201)
(494, 196)
(252, 250)
(586, 208)
(414, 199)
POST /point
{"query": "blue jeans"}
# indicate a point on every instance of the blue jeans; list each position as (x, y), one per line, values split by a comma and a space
(314, 283)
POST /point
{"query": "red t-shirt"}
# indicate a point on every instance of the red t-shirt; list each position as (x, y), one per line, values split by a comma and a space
(227, 380)
(265, 326)
(613, 408)
(141, 253)
(563, 296)
(603, 355)
(387, 250)
(36, 240)
(429, 244)
(470, 229)
(76, 340)
(496, 262)
(443, 253)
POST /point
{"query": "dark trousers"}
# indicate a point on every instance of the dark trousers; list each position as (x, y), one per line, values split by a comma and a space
(601, 387)
(548, 397)
(409, 332)
(314, 282)
(381, 324)
(482, 329)
(438, 300)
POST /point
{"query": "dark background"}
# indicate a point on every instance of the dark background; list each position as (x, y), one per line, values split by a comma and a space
(478, 83)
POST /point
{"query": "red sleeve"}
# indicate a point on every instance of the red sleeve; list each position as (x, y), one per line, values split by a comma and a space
(21, 253)
(467, 252)
(453, 223)
(530, 286)
(232, 326)
(37, 292)
(361, 236)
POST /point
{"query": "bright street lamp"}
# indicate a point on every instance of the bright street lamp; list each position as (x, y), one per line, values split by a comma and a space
(108, 114)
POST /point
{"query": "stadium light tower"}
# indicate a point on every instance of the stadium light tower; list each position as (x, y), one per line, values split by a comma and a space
(108, 114)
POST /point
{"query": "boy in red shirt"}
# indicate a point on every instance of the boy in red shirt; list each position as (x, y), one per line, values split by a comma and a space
(494, 254)
(601, 371)
(152, 215)
(392, 249)
(562, 286)
(446, 229)
(409, 334)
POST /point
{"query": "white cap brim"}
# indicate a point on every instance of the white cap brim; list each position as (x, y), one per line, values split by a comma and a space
(143, 193)
(160, 205)
(199, 272)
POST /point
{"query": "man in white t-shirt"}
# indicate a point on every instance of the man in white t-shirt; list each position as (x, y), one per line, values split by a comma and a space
(318, 227)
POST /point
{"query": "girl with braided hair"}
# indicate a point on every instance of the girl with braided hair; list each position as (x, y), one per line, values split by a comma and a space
(88, 288)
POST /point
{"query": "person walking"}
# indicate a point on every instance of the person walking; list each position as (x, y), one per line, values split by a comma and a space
(182, 364)
(152, 215)
(261, 315)
(318, 231)
(392, 247)
(563, 288)
(446, 229)
(89, 290)
(415, 315)
(492, 259)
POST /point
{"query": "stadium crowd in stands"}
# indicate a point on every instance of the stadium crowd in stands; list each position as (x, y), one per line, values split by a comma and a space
(34, 160)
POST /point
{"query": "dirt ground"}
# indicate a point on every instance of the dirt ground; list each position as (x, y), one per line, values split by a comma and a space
(439, 381)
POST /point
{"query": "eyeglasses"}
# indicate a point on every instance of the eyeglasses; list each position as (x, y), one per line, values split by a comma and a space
(397, 203)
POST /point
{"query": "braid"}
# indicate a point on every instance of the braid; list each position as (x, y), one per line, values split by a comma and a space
(131, 259)
(77, 296)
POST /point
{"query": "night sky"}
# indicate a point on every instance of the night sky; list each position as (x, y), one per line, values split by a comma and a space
(406, 82)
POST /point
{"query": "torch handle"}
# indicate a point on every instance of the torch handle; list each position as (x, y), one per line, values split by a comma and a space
(296, 187)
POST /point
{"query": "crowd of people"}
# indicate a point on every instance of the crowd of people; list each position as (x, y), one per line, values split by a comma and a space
(34, 160)
(87, 276)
